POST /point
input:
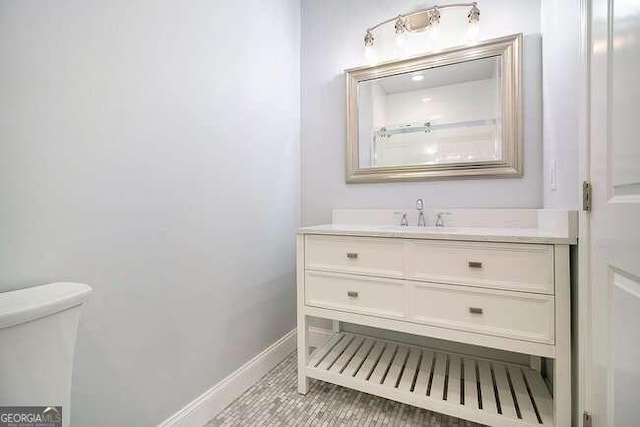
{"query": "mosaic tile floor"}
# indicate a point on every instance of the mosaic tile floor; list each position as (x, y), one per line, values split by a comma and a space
(274, 401)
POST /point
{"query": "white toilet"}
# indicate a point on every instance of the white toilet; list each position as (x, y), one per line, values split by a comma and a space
(38, 328)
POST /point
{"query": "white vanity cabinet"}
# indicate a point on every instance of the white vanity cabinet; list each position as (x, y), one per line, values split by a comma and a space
(503, 291)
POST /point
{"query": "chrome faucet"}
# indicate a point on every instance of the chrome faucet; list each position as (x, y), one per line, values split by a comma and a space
(420, 208)
(440, 220)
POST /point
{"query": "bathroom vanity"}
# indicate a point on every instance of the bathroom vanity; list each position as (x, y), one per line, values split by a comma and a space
(491, 278)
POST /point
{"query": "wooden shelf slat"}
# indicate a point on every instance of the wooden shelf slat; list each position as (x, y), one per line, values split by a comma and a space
(510, 395)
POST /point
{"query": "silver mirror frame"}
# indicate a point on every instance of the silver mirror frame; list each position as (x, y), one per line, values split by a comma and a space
(509, 49)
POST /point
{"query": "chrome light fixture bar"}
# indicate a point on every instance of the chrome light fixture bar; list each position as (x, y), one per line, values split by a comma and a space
(422, 20)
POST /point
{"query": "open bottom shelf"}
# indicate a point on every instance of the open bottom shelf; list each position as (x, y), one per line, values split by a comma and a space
(480, 390)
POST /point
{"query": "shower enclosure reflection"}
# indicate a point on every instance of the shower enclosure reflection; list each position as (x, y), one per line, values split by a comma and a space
(449, 114)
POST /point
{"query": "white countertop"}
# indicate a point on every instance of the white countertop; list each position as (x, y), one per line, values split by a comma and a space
(511, 235)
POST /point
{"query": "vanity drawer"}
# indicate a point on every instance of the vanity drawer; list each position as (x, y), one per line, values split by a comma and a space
(517, 315)
(364, 295)
(360, 255)
(519, 267)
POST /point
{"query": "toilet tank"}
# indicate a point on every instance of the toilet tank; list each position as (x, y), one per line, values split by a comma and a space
(38, 328)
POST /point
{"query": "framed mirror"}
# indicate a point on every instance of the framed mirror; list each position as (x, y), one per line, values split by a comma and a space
(451, 114)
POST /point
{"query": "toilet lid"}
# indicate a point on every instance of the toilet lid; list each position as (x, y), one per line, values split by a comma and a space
(28, 304)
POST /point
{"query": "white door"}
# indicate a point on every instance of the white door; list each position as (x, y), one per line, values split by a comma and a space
(615, 219)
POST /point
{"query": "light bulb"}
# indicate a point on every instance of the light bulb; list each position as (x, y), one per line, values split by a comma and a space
(371, 55)
(434, 32)
(402, 45)
(430, 150)
(473, 30)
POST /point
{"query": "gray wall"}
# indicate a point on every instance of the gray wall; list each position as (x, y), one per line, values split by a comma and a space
(332, 40)
(150, 149)
(562, 102)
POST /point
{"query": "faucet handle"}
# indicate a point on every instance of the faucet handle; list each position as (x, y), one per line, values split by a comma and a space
(440, 220)
(404, 222)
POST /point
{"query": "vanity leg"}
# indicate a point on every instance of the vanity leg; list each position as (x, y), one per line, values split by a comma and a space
(535, 363)
(303, 340)
(562, 362)
(336, 326)
(303, 354)
(562, 391)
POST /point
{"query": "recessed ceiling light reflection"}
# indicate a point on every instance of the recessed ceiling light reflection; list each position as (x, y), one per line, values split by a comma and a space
(426, 100)
(417, 78)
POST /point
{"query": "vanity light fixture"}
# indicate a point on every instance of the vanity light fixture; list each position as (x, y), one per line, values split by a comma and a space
(419, 21)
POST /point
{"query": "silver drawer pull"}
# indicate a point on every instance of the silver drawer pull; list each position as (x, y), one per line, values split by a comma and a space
(352, 294)
(475, 264)
(352, 255)
(475, 310)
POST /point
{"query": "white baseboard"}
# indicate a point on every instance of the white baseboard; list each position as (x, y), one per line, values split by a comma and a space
(198, 412)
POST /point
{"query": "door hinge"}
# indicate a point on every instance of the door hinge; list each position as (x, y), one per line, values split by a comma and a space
(586, 196)
(586, 419)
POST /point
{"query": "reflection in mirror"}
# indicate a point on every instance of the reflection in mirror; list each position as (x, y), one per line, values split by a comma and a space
(453, 113)
(444, 115)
